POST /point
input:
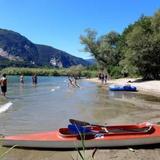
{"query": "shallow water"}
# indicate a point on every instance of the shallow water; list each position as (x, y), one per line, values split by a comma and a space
(51, 103)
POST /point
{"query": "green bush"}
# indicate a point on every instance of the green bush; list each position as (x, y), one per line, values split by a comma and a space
(115, 72)
(79, 72)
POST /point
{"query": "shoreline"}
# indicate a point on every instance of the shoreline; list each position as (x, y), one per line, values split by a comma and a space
(151, 87)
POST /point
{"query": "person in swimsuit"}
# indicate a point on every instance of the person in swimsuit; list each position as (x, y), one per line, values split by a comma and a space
(21, 79)
(3, 83)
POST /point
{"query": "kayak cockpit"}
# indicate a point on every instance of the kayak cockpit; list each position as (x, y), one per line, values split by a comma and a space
(75, 130)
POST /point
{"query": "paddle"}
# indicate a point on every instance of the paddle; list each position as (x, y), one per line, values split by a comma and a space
(83, 123)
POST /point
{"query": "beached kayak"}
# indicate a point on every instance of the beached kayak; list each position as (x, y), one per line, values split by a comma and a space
(122, 88)
(96, 136)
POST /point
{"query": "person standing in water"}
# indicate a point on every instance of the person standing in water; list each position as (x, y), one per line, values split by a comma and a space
(34, 79)
(3, 83)
(72, 82)
(21, 79)
(75, 82)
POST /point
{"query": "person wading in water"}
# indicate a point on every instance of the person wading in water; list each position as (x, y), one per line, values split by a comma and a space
(21, 79)
(72, 82)
(34, 80)
(3, 83)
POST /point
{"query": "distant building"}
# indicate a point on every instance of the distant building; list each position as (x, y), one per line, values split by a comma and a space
(56, 63)
(32, 62)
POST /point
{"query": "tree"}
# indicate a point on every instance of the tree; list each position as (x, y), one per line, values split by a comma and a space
(135, 52)
(104, 48)
(143, 48)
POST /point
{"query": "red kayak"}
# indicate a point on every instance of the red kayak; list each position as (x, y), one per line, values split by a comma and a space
(95, 136)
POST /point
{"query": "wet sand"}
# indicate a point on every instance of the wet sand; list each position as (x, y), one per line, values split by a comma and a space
(100, 154)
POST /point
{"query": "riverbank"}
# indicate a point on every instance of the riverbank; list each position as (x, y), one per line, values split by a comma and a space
(151, 152)
(151, 87)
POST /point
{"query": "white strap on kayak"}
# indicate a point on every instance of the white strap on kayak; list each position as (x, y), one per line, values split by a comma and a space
(105, 129)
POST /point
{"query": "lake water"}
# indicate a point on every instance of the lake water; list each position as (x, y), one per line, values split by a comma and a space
(51, 103)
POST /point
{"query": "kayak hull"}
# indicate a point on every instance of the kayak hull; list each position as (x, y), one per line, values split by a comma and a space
(54, 140)
(122, 88)
(78, 144)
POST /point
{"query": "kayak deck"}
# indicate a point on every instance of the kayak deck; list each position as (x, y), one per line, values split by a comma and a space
(109, 130)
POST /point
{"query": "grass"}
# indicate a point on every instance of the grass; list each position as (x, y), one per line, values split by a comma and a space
(82, 152)
(3, 154)
(4, 151)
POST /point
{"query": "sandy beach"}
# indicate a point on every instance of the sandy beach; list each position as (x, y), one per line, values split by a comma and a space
(147, 87)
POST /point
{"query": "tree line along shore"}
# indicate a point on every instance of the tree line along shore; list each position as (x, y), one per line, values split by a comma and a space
(77, 71)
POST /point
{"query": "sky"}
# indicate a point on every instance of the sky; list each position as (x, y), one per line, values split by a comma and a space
(59, 23)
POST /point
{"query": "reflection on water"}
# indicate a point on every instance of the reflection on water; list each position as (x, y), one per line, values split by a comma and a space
(51, 103)
(5, 107)
(128, 95)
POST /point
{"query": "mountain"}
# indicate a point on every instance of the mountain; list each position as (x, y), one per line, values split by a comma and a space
(17, 50)
(91, 61)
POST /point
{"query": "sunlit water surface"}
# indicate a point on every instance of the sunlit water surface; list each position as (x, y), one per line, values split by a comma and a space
(51, 103)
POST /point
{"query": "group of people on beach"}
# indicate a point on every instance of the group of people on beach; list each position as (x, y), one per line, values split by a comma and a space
(3, 82)
(102, 77)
